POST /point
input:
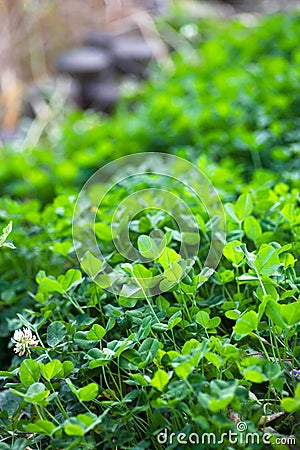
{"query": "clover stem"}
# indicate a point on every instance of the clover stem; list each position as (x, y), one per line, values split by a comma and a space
(146, 297)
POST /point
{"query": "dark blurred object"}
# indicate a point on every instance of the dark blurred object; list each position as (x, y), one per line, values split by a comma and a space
(250, 5)
(131, 55)
(155, 6)
(33, 33)
(100, 39)
(85, 62)
(101, 95)
(262, 6)
(96, 66)
(233, 2)
(93, 74)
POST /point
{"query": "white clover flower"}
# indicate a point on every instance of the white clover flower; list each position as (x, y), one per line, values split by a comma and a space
(24, 340)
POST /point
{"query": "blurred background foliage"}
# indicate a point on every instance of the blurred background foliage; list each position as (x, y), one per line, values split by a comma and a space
(34, 32)
(229, 89)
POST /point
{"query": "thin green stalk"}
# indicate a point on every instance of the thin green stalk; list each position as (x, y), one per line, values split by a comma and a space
(146, 297)
(263, 347)
(59, 403)
(74, 303)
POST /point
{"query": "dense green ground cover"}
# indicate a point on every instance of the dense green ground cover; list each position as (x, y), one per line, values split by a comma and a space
(111, 372)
